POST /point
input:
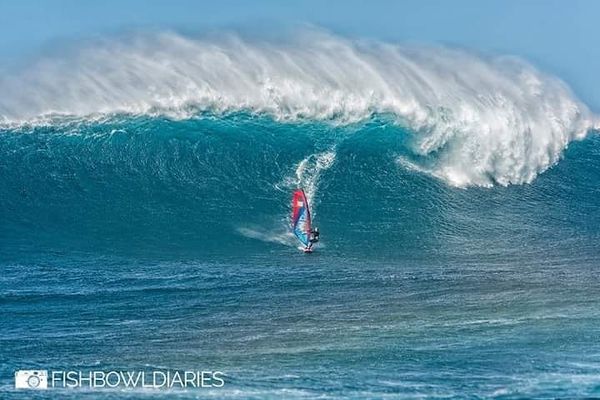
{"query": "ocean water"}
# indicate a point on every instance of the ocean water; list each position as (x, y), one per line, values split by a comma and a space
(144, 222)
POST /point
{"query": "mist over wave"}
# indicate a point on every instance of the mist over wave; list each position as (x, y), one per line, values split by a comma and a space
(473, 120)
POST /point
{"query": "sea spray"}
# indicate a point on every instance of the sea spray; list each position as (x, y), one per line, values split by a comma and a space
(476, 121)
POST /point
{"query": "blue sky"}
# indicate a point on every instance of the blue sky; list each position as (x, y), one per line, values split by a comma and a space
(560, 37)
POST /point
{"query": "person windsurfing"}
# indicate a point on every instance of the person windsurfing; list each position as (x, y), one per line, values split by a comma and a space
(313, 237)
(301, 221)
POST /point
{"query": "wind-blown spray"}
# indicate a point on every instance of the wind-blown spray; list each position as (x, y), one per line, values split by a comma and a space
(475, 121)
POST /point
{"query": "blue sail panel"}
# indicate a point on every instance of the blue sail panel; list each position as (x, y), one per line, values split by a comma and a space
(300, 229)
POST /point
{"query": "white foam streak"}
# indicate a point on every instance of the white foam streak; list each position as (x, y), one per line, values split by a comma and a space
(271, 236)
(484, 121)
(309, 171)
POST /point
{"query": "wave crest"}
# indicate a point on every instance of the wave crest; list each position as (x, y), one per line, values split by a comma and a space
(477, 121)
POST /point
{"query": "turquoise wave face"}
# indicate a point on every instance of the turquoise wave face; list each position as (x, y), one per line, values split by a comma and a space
(223, 185)
(140, 243)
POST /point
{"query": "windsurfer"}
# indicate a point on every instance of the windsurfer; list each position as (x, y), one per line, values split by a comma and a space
(313, 237)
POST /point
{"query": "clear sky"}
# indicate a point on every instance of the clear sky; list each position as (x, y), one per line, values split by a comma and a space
(561, 37)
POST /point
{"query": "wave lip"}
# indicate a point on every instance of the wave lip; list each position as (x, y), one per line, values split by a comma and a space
(476, 121)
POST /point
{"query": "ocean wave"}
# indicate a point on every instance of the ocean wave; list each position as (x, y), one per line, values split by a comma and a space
(476, 120)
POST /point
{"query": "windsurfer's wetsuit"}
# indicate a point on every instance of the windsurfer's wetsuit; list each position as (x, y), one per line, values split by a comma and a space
(313, 238)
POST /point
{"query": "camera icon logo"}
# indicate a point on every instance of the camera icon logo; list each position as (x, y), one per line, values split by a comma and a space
(31, 379)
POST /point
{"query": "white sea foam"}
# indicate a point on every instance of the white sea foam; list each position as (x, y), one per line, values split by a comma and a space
(309, 170)
(482, 120)
(272, 236)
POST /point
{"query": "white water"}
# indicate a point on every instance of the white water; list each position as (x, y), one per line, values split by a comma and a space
(309, 172)
(485, 121)
(275, 235)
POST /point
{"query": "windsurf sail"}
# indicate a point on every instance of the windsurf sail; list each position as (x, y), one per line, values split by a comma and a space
(300, 216)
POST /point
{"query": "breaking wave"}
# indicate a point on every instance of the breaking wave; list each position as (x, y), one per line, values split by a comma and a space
(472, 120)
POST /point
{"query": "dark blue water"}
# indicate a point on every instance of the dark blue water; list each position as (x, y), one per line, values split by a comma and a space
(143, 243)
